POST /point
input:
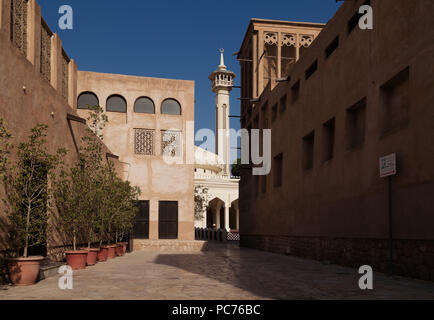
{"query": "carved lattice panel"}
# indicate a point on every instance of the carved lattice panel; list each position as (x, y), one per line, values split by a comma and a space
(65, 76)
(270, 38)
(144, 142)
(171, 143)
(289, 39)
(45, 53)
(19, 24)
(306, 40)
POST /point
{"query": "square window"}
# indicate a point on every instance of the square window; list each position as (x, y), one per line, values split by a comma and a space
(144, 142)
(171, 143)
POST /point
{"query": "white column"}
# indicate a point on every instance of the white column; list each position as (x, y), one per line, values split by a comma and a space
(227, 218)
(217, 218)
(204, 220)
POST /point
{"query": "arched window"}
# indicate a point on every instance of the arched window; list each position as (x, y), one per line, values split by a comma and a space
(86, 100)
(116, 103)
(171, 106)
(144, 105)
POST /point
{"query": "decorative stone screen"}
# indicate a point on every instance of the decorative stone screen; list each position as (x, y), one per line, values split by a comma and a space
(171, 143)
(65, 75)
(45, 51)
(144, 142)
(19, 24)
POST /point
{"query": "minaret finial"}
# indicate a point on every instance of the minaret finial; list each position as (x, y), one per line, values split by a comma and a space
(222, 59)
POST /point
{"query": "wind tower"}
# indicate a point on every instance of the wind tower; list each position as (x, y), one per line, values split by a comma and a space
(222, 84)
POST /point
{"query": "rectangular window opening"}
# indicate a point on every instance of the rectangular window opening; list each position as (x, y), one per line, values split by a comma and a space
(308, 150)
(395, 96)
(283, 104)
(332, 47)
(278, 168)
(264, 184)
(274, 112)
(355, 125)
(329, 140)
(295, 90)
(312, 69)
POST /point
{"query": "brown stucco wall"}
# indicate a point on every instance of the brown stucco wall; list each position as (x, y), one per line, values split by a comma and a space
(41, 102)
(344, 198)
(157, 180)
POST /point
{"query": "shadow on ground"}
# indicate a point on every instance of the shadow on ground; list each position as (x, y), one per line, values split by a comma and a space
(275, 276)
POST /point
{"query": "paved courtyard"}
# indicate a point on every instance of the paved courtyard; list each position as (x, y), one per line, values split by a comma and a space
(224, 272)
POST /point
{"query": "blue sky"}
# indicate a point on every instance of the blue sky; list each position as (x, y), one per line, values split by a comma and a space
(171, 39)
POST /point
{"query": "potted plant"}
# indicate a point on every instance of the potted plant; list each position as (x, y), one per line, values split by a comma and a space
(119, 210)
(94, 168)
(27, 199)
(124, 212)
(70, 197)
(80, 194)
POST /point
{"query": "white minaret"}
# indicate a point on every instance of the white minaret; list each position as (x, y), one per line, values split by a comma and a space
(222, 84)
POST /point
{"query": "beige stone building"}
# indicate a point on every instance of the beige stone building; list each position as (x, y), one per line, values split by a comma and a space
(148, 119)
(353, 97)
(151, 125)
(38, 85)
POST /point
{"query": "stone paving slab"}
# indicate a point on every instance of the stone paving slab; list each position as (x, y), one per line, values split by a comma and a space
(223, 272)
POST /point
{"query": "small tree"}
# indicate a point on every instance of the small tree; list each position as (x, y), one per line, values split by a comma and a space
(200, 201)
(72, 200)
(236, 168)
(97, 120)
(27, 190)
(123, 209)
(5, 147)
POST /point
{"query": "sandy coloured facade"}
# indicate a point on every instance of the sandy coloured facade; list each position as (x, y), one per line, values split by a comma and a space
(142, 114)
(352, 97)
(39, 84)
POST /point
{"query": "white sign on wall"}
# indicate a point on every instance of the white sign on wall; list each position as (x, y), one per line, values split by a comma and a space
(388, 166)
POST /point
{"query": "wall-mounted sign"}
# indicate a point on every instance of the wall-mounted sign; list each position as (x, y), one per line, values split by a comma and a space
(388, 166)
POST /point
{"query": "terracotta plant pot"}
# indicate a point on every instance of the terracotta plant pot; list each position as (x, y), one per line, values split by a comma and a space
(102, 254)
(24, 271)
(119, 250)
(76, 259)
(111, 252)
(124, 247)
(92, 254)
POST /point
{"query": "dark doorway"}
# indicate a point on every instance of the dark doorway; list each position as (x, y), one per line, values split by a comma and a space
(168, 220)
(222, 218)
(232, 219)
(141, 227)
(209, 218)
